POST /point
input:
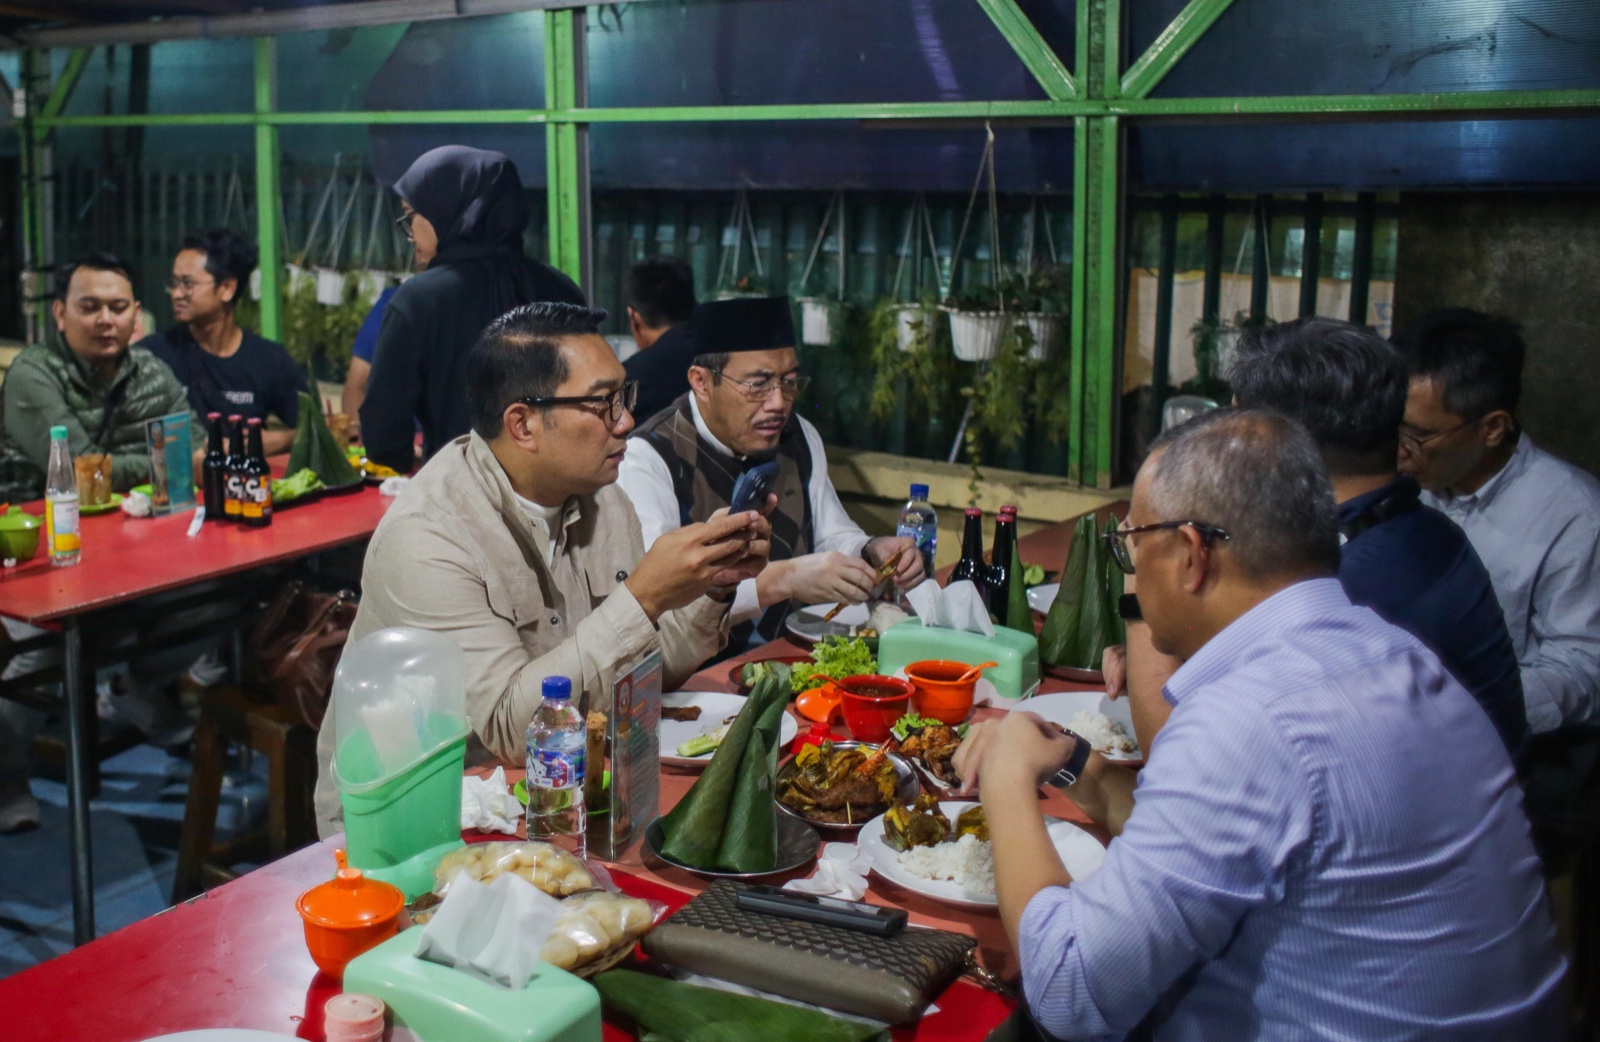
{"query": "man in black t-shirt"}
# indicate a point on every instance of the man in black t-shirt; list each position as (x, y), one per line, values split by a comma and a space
(660, 306)
(225, 368)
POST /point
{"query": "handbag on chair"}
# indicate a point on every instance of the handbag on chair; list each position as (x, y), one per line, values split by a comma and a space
(295, 648)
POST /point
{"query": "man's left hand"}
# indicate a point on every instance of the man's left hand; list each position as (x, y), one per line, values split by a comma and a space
(908, 570)
(1017, 750)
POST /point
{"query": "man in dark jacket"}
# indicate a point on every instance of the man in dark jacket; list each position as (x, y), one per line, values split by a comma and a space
(468, 206)
(660, 307)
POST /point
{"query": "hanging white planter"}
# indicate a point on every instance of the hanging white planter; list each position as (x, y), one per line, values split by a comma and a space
(975, 335)
(371, 284)
(292, 274)
(816, 321)
(1044, 326)
(330, 287)
(905, 324)
(255, 284)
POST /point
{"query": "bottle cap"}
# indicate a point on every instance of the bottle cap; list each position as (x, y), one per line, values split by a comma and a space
(354, 1017)
(1009, 509)
(556, 687)
(919, 491)
(974, 512)
(234, 417)
(213, 416)
(58, 432)
(254, 421)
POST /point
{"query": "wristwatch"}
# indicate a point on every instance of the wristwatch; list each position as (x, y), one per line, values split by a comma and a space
(1068, 776)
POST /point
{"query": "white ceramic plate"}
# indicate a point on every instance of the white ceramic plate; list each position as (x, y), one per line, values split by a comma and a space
(1062, 706)
(224, 1035)
(807, 624)
(1041, 597)
(715, 707)
(1080, 852)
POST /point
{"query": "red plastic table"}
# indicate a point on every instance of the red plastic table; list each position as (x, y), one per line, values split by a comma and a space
(125, 559)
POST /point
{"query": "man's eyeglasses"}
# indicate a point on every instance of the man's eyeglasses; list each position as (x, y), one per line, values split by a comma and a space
(176, 283)
(1117, 541)
(404, 224)
(1417, 442)
(760, 389)
(622, 400)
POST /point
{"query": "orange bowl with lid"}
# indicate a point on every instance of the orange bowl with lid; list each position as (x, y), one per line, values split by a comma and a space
(348, 915)
(939, 693)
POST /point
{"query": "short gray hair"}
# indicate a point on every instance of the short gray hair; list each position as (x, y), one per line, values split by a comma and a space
(1258, 475)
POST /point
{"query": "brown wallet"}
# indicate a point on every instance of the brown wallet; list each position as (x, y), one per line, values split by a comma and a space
(892, 979)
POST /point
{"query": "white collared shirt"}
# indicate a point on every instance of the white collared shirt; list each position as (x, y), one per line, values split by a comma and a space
(1536, 525)
(646, 480)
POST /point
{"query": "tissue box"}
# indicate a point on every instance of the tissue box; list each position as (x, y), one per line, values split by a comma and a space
(1017, 653)
(441, 1004)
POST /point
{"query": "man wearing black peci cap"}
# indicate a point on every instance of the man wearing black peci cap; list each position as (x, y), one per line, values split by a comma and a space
(682, 465)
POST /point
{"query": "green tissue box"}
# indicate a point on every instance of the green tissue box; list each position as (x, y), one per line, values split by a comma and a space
(1016, 676)
(442, 1004)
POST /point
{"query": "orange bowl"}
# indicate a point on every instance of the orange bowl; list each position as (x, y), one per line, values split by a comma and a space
(332, 947)
(935, 692)
(348, 915)
(872, 704)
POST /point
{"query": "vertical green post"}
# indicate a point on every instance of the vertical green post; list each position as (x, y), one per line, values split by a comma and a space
(267, 157)
(33, 82)
(567, 145)
(1096, 247)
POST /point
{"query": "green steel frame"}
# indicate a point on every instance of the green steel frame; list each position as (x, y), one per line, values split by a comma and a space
(1097, 100)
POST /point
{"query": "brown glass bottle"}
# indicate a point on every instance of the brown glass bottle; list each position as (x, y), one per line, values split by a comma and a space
(214, 471)
(256, 503)
(233, 469)
(971, 566)
(999, 574)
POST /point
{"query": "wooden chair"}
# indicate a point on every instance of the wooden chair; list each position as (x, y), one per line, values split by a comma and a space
(227, 715)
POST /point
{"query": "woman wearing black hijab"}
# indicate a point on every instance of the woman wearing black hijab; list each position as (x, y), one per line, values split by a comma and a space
(469, 206)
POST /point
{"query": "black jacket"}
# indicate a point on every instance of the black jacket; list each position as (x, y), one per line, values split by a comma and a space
(662, 370)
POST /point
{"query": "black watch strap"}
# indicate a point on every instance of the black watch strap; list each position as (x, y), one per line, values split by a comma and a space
(1068, 776)
(1128, 608)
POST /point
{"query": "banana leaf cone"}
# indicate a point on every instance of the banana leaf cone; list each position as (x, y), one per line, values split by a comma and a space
(1060, 631)
(1084, 652)
(1018, 614)
(1116, 629)
(750, 837)
(677, 1012)
(692, 832)
(317, 448)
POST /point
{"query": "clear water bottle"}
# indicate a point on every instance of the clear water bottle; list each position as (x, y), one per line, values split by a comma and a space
(919, 524)
(61, 501)
(556, 742)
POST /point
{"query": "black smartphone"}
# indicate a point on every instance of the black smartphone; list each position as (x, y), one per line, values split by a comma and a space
(751, 490)
(830, 911)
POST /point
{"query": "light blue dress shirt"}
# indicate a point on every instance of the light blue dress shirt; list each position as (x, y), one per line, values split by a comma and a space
(1536, 526)
(1327, 843)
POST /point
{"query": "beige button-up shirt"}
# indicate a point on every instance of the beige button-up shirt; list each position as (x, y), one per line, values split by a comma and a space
(457, 554)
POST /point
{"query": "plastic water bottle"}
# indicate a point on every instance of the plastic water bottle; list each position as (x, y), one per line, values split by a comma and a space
(919, 524)
(556, 742)
(61, 501)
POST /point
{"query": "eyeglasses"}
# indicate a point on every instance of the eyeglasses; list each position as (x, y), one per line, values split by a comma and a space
(1117, 541)
(759, 390)
(404, 223)
(1416, 443)
(186, 284)
(622, 400)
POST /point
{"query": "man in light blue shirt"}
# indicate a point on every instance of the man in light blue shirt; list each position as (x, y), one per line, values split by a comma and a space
(1328, 840)
(1534, 520)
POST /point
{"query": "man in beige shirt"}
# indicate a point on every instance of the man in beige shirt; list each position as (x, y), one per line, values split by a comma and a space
(514, 541)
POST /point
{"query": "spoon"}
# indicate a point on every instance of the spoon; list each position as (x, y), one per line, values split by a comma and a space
(973, 672)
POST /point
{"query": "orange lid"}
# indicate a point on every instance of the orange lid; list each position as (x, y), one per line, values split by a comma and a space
(350, 899)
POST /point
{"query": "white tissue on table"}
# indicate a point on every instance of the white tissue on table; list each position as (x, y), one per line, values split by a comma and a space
(841, 872)
(136, 504)
(195, 522)
(493, 931)
(397, 724)
(392, 487)
(487, 804)
(954, 607)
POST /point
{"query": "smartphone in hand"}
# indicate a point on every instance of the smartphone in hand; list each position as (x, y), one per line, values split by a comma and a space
(754, 485)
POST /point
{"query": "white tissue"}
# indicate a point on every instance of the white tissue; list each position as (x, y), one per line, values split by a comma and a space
(394, 734)
(136, 504)
(392, 487)
(955, 607)
(493, 931)
(841, 872)
(487, 804)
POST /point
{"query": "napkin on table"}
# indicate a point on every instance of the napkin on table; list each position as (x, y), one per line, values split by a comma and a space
(954, 607)
(841, 872)
(491, 930)
(487, 803)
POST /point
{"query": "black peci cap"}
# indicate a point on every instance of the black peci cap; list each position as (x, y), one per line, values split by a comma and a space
(743, 324)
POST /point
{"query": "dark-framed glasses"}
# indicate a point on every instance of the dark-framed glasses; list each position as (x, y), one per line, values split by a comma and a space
(184, 283)
(403, 222)
(622, 400)
(1117, 541)
(760, 389)
(1415, 442)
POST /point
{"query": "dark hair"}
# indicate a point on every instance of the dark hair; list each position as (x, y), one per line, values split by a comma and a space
(519, 356)
(661, 290)
(1342, 382)
(94, 262)
(1475, 358)
(228, 256)
(716, 361)
(1257, 475)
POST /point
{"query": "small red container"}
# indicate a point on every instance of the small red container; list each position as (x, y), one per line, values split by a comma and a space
(872, 704)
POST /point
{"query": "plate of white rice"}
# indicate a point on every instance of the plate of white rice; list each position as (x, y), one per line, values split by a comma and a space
(1107, 724)
(962, 873)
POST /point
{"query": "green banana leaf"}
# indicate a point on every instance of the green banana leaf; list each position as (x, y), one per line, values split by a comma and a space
(680, 1012)
(1116, 629)
(1085, 651)
(315, 447)
(1060, 631)
(1018, 617)
(750, 837)
(692, 831)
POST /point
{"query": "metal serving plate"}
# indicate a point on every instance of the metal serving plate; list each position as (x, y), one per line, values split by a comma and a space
(906, 788)
(798, 844)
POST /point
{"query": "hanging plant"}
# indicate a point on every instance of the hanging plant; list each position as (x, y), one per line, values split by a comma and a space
(923, 364)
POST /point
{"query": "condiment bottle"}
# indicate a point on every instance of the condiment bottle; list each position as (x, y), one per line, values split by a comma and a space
(820, 732)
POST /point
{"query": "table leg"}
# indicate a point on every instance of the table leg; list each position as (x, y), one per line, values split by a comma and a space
(80, 703)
